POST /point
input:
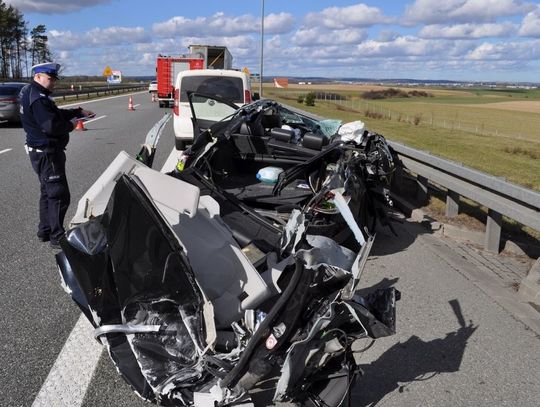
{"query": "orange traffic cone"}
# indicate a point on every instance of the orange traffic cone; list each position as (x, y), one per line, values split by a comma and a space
(130, 104)
(153, 97)
(80, 125)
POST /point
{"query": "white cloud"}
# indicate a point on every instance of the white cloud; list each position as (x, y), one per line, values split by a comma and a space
(116, 36)
(53, 6)
(219, 23)
(487, 51)
(111, 36)
(178, 26)
(318, 36)
(463, 11)
(148, 58)
(521, 52)
(161, 46)
(63, 40)
(223, 25)
(530, 27)
(358, 15)
(278, 23)
(467, 31)
(403, 46)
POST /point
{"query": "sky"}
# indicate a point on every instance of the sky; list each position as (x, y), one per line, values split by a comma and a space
(466, 40)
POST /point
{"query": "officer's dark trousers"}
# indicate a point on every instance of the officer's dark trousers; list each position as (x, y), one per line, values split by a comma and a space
(55, 196)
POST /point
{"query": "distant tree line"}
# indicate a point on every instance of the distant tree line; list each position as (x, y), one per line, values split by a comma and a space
(394, 93)
(19, 48)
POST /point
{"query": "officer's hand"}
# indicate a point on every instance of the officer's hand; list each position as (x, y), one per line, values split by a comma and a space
(87, 113)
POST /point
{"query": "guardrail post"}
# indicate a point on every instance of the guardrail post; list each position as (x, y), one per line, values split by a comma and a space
(421, 189)
(452, 204)
(493, 231)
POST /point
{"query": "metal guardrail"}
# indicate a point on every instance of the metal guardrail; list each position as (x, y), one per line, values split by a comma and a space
(77, 94)
(498, 195)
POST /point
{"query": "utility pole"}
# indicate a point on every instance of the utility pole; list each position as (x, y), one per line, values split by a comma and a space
(262, 50)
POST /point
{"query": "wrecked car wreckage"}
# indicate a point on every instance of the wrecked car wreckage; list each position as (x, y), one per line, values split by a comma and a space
(205, 281)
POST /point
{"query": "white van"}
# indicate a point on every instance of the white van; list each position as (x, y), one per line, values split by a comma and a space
(227, 84)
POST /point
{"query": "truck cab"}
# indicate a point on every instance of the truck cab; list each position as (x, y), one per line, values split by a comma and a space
(167, 69)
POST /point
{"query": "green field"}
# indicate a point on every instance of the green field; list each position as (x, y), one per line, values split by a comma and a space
(502, 141)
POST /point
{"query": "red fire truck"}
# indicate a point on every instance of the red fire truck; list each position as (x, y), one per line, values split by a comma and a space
(167, 68)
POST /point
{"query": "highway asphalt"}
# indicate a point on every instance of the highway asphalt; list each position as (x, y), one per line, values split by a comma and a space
(456, 344)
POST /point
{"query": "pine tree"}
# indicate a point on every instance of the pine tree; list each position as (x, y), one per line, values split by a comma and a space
(39, 47)
(6, 21)
(20, 32)
(13, 42)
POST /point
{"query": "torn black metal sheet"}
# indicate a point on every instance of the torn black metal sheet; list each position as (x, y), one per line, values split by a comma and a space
(140, 278)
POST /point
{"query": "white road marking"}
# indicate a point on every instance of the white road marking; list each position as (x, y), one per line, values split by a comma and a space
(6, 150)
(93, 120)
(136, 105)
(72, 371)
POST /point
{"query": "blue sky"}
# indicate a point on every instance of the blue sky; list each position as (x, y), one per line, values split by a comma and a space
(491, 40)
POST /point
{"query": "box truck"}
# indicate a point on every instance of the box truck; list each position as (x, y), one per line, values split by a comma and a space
(213, 56)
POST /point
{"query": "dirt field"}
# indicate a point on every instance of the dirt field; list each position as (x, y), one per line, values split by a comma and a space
(364, 88)
(516, 106)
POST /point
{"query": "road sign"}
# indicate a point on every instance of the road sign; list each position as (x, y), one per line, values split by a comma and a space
(115, 77)
(107, 71)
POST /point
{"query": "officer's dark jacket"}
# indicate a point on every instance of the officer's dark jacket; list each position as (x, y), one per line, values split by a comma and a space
(46, 126)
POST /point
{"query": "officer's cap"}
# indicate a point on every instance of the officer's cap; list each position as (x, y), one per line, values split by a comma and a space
(50, 68)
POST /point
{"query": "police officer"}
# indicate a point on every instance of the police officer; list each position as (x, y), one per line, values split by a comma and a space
(47, 133)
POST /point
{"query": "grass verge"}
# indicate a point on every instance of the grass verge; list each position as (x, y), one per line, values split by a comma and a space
(515, 160)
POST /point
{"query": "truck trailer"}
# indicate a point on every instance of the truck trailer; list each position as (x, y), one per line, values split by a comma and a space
(214, 56)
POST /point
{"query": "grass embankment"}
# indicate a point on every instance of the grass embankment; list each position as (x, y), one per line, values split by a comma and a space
(458, 125)
(476, 127)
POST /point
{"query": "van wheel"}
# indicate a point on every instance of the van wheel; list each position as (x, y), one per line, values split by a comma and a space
(180, 144)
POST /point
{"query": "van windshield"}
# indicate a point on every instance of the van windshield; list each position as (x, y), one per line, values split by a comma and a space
(228, 88)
